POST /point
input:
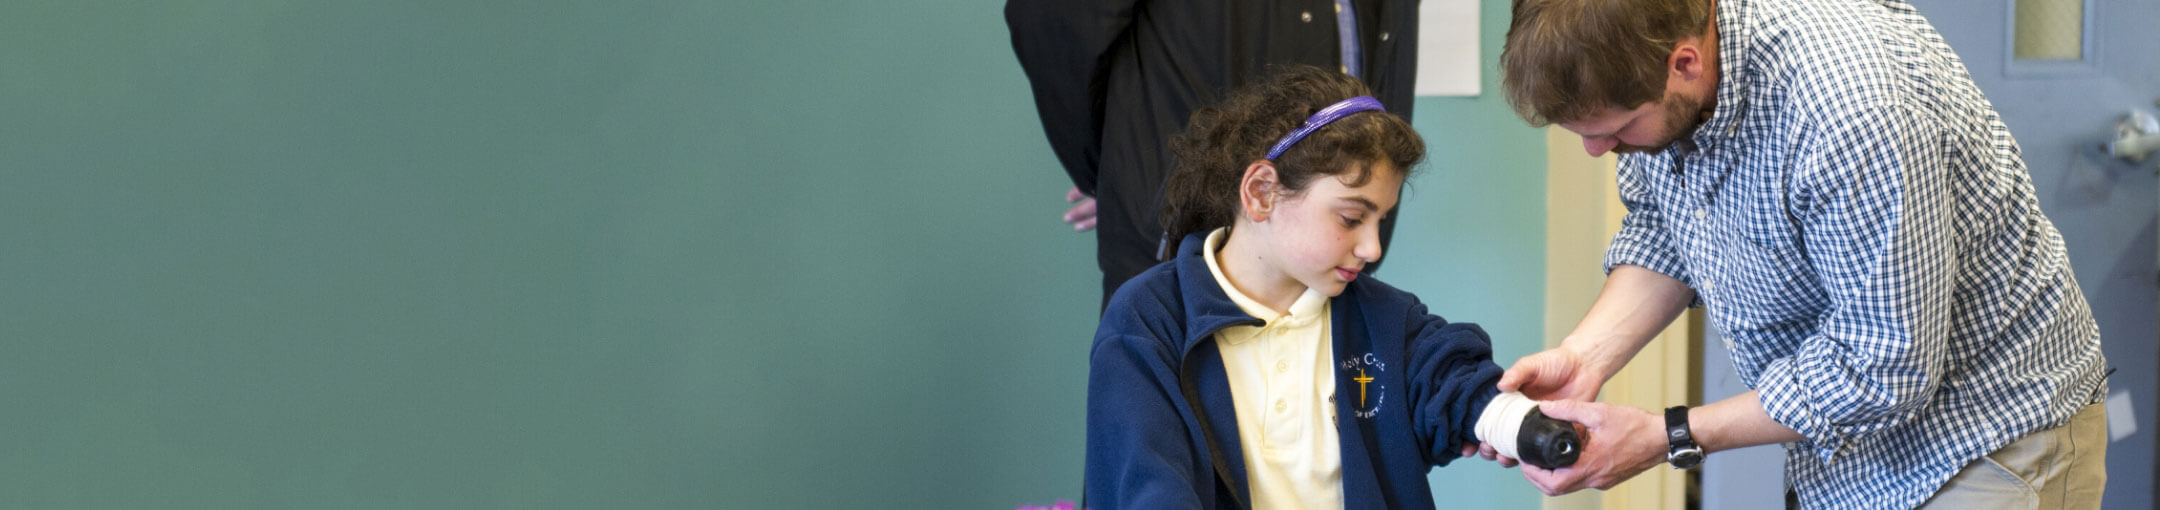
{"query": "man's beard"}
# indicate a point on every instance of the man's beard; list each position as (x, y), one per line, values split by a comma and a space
(1682, 115)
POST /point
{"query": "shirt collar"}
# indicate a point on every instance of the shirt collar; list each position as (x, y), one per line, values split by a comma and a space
(1733, 33)
(1309, 307)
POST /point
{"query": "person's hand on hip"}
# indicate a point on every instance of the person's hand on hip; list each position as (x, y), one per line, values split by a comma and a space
(1082, 214)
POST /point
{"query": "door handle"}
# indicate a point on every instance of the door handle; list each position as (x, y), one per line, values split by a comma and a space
(2136, 137)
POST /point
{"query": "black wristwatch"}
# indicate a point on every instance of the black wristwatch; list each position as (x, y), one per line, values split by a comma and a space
(1684, 453)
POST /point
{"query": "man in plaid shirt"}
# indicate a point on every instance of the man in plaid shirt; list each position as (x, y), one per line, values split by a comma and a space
(1826, 180)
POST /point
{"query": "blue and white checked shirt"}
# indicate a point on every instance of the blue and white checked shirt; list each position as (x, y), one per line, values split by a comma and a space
(1860, 225)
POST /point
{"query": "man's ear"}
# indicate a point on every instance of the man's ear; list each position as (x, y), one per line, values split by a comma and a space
(1258, 190)
(1686, 64)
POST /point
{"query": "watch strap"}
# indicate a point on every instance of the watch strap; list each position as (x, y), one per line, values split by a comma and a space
(1677, 433)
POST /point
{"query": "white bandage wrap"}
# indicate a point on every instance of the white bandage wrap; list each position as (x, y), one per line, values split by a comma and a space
(1502, 418)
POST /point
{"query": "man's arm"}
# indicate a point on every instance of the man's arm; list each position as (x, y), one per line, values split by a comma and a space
(1873, 196)
(1064, 46)
(1624, 441)
(1736, 422)
(1635, 304)
(1645, 288)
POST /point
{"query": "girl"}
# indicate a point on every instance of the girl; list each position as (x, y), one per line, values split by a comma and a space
(1258, 368)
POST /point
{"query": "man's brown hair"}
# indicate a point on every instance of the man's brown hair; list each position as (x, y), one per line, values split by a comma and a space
(1566, 59)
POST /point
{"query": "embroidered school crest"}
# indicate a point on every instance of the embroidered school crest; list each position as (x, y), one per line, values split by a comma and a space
(1364, 371)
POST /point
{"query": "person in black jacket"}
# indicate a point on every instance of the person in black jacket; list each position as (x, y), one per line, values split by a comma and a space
(1114, 79)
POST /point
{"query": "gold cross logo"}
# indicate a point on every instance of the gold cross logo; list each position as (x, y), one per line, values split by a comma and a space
(1361, 380)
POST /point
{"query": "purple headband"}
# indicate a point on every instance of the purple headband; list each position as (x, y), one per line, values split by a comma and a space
(1326, 116)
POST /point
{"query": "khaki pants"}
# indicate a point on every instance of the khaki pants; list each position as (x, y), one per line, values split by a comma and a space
(2060, 468)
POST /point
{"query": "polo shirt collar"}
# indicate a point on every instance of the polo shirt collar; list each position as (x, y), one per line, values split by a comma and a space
(1310, 306)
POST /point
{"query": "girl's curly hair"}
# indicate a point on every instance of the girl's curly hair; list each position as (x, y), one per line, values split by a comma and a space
(1219, 142)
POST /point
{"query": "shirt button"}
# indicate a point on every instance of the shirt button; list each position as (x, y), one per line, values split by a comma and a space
(1701, 213)
(1281, 407)
(1346, 69)
(1282, 366)
(1383, 36)
(1305, 16)
(1338, 8)
(1331, 396)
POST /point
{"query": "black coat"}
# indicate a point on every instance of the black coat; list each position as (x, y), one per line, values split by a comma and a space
(1115, 79)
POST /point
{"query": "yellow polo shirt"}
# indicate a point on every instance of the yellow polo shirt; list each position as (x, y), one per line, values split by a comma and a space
(1283, 385)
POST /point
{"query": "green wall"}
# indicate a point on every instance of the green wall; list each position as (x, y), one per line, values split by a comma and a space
(645, 254)
(1471, 241)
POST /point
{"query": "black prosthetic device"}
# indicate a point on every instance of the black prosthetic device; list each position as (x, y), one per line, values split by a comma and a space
(1513, 425)
(1546, 442)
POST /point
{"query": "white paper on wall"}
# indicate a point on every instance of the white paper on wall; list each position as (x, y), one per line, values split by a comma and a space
(1448, 48)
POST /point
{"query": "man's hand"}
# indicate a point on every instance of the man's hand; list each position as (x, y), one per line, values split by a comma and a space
(1082, 214)
(1555, 374)
(1558, 373)
(1618, 443)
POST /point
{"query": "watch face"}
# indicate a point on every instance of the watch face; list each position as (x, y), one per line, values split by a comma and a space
(1686, 458)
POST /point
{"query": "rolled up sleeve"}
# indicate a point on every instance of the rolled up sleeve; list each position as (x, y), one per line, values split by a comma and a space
(1644, 238)
(1451, 377)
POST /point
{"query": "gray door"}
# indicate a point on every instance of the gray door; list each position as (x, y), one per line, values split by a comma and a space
(2062, 100)
(2062, 82)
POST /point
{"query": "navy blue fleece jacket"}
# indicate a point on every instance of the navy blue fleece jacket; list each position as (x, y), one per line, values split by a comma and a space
(1162, 430)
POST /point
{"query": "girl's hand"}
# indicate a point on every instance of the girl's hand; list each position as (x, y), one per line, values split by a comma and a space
(1487, 451)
